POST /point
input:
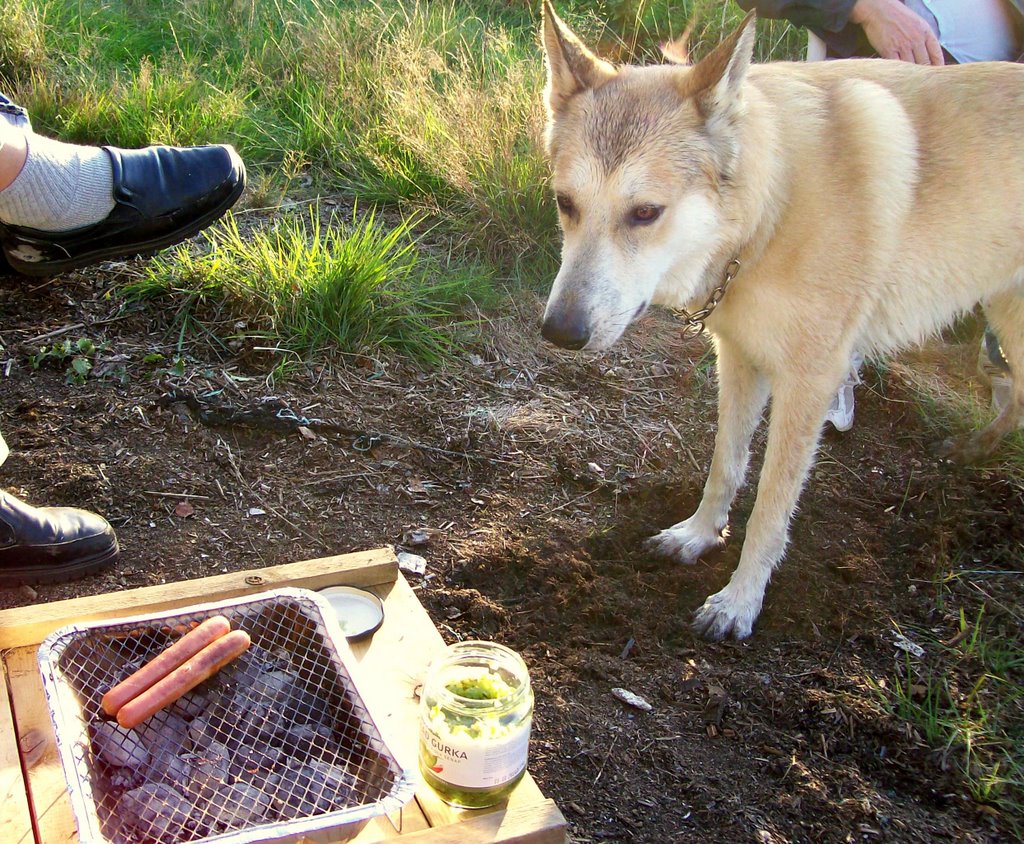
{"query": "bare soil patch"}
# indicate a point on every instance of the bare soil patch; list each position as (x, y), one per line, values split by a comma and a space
(528, 478)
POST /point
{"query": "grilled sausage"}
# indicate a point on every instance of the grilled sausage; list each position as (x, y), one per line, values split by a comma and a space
(165, 662)
(184, 678)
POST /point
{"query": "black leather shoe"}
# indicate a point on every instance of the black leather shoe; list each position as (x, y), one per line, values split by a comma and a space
(162, 195)
(51, 544)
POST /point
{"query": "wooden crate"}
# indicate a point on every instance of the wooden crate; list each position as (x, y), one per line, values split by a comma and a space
(35, 806)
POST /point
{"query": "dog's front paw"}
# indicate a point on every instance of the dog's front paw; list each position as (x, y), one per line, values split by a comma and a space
(686, 541)
(724, 614)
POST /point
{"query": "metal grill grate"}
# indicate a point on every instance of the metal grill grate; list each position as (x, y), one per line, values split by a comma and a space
(279, 736)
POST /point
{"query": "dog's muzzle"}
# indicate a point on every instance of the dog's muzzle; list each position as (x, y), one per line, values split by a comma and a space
(566, 330)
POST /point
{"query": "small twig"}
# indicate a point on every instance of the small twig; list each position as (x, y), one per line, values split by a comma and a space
(231, 460)
(55, 333)
(289, 522)
(684, 445)
(958, 638)
(74, 327)
(176, 495)
(461, 455)
(607, 756)
(566, 504)
(993, 600)
(338, 478)
(906, 495)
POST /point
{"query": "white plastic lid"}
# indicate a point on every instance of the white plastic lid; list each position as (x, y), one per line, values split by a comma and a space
(359, 612)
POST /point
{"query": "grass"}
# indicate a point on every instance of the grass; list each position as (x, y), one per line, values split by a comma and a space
(308, 284)
(430, 107)
(966, 699)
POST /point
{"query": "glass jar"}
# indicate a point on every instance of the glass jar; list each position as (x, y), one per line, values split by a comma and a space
(476, 708)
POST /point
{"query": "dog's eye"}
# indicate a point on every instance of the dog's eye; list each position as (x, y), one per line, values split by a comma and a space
(565, 204)
(642, 215)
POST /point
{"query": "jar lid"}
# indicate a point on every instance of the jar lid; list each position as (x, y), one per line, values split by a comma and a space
(360, 613)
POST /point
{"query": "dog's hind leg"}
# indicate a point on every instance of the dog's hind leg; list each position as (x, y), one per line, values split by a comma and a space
(798, 409)
(742, 394)
(1005, 313)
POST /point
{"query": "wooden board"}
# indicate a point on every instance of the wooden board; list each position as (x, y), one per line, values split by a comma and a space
(387, 670)
(30, 625)
(15, 818)
(49, 793)
(534, 823)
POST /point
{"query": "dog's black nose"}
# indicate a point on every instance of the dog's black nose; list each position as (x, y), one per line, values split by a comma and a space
(566, 331)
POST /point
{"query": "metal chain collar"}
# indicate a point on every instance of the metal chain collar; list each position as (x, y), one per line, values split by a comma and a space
(693, 324)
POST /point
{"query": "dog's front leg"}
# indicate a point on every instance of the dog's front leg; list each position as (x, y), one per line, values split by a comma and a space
(796, 420)
(742, 393)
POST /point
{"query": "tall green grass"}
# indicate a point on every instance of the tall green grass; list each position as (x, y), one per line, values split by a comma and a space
(966, 700)
(634, 30)
(21, 41)
(427, 106)
(306, 284)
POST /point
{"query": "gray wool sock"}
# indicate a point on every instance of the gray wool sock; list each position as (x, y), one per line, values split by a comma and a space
(60, 188)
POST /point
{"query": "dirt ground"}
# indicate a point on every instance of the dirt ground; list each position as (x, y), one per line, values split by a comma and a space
(528, 478)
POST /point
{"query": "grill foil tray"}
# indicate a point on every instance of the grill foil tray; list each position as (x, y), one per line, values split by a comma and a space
(275, 746)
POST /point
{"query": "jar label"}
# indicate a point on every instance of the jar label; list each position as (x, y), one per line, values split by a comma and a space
(476, 763)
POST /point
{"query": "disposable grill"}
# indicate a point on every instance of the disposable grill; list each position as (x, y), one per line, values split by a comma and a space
(278, 744)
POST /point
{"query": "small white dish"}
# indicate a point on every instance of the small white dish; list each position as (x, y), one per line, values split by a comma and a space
(360, 613)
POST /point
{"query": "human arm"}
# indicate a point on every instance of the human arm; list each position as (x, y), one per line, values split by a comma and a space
(896, 32)
(893, 30)
(826, 15)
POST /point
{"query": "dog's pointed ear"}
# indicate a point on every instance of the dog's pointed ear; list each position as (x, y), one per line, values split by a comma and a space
(715, 81)
(572, 68)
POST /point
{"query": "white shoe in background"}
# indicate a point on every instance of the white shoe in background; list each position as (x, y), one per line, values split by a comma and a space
(840, 412)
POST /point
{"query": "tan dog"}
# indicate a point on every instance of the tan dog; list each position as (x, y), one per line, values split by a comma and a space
(869, 203)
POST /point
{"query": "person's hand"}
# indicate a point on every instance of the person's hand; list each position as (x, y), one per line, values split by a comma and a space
(896, 32)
